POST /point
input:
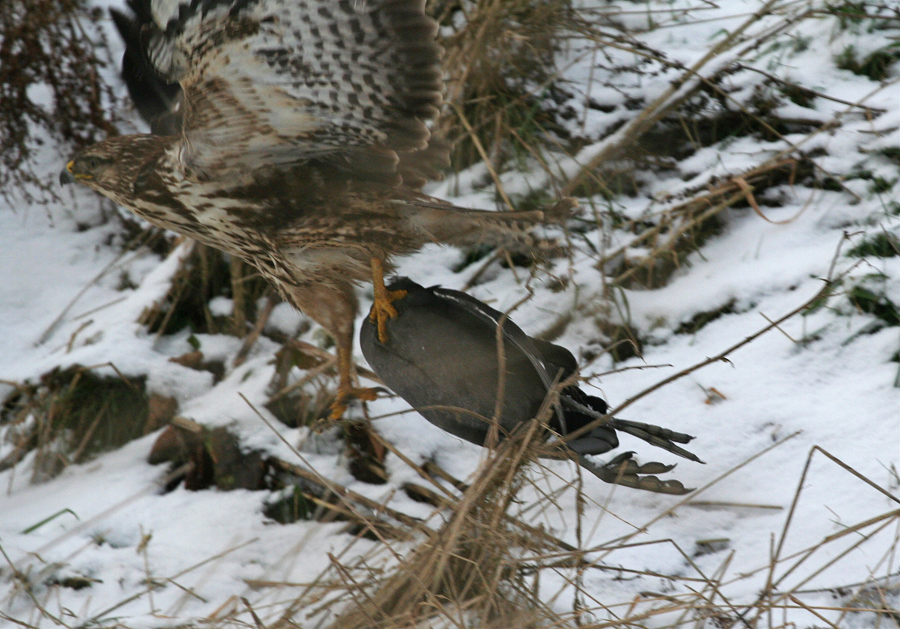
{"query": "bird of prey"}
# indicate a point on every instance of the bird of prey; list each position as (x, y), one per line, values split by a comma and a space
(442, 357)
(301, 145)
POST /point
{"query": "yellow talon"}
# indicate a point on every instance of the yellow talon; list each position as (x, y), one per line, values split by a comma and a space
(346, 391)
(344, 395)
(383, 308)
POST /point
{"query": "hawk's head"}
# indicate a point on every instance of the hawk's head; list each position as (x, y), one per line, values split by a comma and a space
(112, 166)
(93, 167)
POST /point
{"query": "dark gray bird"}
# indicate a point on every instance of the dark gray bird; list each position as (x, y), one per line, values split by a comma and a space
(442, 357)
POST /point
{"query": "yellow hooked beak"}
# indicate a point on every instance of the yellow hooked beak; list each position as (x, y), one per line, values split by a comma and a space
(68, 176)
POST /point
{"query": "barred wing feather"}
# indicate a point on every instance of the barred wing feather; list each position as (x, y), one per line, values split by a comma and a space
(279, 82)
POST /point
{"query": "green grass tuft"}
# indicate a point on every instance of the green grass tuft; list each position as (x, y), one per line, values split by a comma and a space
(881, 245)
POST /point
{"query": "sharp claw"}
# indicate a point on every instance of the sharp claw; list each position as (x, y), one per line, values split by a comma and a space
(623, 470)
(383, 309)
(344, 395)
(337, 410)
(654, 467)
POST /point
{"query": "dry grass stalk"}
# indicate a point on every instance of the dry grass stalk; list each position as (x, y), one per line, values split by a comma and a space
(498, 56)
(697, 597)
(204, 273)
(681, 90)
(140, 238)
(698, 85)
(681, 229)
(54, 44)
(69, 416)
(472, 573)
(464, 571)
(348, 502)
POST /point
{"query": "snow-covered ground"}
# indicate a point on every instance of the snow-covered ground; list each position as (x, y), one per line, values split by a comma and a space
(827, 378)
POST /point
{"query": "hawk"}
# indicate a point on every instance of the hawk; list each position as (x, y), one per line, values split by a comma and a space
(301, 148)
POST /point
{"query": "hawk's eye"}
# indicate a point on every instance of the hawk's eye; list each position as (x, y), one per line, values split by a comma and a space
(92, 163)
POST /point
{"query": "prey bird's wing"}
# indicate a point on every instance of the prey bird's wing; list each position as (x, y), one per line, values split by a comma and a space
(275, 83)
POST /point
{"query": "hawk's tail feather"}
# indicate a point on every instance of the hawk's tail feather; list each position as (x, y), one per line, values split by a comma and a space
(465, 227)
(530, 216)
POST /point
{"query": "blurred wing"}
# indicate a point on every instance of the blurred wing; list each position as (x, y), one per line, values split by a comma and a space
(277, 82)
(157, 102)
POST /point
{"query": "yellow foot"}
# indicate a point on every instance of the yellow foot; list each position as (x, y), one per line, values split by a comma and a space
(345, 395)
(383, 309)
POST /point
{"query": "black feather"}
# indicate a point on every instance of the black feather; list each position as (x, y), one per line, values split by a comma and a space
(156, 100)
